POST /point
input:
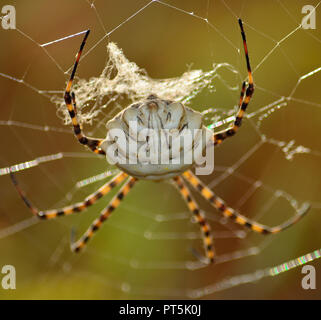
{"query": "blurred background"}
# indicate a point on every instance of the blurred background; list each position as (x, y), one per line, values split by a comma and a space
(143, 251)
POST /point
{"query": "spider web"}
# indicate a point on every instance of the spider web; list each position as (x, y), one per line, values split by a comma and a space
(189, 51)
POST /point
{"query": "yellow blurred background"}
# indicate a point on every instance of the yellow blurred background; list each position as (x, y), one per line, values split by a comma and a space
(121, 262)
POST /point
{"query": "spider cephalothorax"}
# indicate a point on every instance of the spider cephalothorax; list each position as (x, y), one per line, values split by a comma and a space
(156, 139)
(157, 115)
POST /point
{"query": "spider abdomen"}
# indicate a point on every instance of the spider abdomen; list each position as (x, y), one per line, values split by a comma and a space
(156, 139)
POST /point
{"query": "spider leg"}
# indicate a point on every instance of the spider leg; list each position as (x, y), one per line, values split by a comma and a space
(193, 207)
(78, 207)
(230, 213)
(104, 215)
(222, 135)
(70, 100)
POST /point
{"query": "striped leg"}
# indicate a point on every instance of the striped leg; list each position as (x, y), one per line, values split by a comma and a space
(228, 212)
(222, 135)
(78, 207)
(193, 207)
(92, 143)
(76, 246)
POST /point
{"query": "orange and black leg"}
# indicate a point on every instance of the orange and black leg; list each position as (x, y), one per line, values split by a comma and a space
(193, 207)
(70, 100)
(78, 207)
(230, 213)
(76, 246)
(244, 101)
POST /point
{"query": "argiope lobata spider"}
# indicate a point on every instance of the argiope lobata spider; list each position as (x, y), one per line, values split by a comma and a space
(157, 113)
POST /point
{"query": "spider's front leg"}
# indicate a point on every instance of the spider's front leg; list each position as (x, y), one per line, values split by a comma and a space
(244, 101)
(70, 100)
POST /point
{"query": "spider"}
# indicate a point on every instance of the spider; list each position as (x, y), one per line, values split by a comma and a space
(170, 115)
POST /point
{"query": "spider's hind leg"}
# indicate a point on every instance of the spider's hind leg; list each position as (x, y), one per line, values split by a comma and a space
(104, 215)
(205, 227)
(238, 218)
(71, 209)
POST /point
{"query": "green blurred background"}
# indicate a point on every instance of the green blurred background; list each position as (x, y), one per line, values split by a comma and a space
(164, 42)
